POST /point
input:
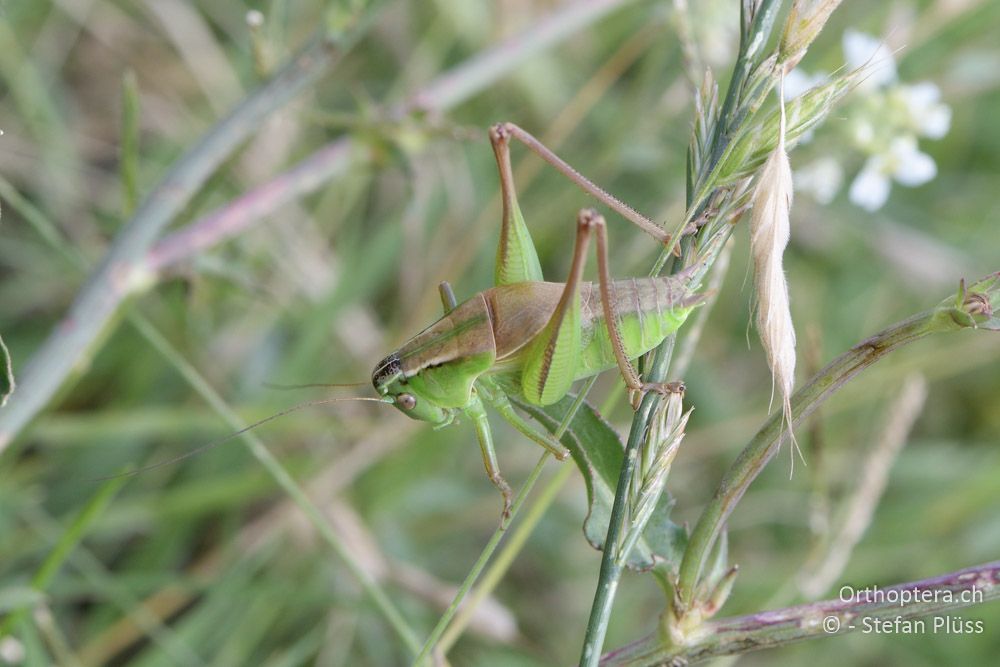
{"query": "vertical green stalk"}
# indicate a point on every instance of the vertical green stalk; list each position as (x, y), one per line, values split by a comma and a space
(612, 559)
(487, 552)
(754, 34)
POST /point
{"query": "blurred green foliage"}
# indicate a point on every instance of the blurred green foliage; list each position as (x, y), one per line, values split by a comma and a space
(202, 562)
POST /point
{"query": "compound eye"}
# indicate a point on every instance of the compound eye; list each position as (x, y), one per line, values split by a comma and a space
(406, 401)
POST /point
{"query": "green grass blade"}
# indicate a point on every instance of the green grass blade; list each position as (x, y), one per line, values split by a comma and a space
(67, 542)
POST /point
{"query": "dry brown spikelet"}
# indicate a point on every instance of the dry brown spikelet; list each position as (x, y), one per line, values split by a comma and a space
(769, 233)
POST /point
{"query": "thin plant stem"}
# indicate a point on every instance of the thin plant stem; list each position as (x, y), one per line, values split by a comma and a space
(129, 265)
(612, 561)
(511, 548)
(284, 480)
(765, 444)
(64, 547)
(431, 643)
(487, 552)
(122, 270)
(768, 629)
(755, 31)
(613, 558)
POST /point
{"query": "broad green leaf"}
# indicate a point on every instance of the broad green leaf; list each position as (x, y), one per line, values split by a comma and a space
(665, 538)
(597, 451)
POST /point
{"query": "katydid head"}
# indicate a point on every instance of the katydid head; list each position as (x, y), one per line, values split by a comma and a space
(389, 381)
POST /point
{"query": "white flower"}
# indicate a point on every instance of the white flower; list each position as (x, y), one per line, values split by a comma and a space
(907, 164)
(903, 161)
(870, 188)
(11, 651)
(821, 178)
(861, 50)
(927, 115)
(864, 133)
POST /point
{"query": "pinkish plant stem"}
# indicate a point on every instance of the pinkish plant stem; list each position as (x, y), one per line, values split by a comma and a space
(133, 261)
(851, 611)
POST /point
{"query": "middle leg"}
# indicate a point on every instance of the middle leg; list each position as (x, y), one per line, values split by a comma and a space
(495, 396)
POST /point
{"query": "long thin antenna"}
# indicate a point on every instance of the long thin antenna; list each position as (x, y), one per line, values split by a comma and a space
(216, 443)
(314, 385)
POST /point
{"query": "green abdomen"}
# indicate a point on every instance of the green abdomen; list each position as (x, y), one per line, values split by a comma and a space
(649, 310)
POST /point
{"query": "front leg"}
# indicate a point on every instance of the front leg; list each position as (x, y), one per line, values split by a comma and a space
(476, 412)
